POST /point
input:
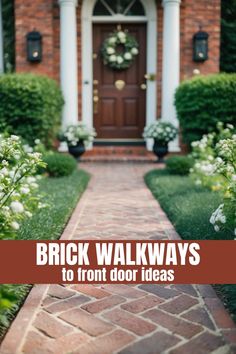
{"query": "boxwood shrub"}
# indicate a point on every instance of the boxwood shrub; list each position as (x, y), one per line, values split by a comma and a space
(203, 101)
(30, 106)
(59, 165)
(179, 165)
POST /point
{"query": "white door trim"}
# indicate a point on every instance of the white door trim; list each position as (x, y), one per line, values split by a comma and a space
(87, 58)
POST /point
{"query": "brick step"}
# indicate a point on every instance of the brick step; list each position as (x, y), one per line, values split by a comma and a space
(117, 150)
(118, 158)
(118, 153)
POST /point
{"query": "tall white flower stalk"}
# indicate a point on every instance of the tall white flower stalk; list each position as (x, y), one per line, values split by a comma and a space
(215, 168)
(17, 184)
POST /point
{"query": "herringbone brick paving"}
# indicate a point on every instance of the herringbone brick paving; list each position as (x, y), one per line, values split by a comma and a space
(106, 319)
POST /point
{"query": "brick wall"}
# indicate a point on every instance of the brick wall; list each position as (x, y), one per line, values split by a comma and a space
(34, 15)
(43, 16)
(204, 13)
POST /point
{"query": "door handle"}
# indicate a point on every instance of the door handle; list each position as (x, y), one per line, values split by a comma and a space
(95, 104)
(95, 96)
(150, 77)
(143, 87)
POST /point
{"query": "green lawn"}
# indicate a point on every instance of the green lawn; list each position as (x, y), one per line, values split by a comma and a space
(62, 195)
(189, 208)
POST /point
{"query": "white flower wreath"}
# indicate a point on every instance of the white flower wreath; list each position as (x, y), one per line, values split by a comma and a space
(115, 59)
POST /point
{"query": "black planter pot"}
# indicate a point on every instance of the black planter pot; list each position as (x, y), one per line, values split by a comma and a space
(77, 150)
(160, 150)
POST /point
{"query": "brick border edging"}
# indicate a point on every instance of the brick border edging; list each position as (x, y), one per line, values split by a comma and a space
(11, 344)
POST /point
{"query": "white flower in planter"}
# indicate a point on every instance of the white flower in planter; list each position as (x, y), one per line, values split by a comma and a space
(119, 60)
(110, 50)
(112, 58)
(17, 207)
(128, 56)
(134, 51)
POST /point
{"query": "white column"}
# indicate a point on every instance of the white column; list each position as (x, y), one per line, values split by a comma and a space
(171, 63)
(68, 61)
(1, 41)
(151, 93)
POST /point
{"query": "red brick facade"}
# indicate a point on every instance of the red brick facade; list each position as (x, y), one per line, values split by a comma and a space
(43, 16)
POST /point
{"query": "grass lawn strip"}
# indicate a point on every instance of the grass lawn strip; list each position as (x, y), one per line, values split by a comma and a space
(189, 208)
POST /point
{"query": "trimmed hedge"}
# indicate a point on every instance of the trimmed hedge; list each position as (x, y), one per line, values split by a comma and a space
(179, 165)
(59, 165)
(203, 101)
(30, 106)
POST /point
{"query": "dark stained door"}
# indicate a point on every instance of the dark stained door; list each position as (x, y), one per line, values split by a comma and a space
(119, 114)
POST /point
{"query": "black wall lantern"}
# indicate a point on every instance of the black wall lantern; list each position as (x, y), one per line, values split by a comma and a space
(200, 46)
(34, 47)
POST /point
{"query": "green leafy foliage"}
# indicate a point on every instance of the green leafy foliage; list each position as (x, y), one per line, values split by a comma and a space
(179, 165)
(11, 297)
(203, 101)
(30, 106)
(228, 36)
(7, 297)
(227, 293)
(59, 165)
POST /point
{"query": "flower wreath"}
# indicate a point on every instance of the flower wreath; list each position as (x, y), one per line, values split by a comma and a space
(115, 59)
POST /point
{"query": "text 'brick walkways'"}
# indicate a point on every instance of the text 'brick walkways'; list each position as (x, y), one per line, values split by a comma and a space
(122, 319)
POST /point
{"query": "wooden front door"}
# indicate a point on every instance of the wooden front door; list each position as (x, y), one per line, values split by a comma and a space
(119, 114)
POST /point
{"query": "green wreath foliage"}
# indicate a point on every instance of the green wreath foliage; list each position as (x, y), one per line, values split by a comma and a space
(119, 59)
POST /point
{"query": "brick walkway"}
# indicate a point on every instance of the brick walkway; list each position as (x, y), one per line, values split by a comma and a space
(105, 319)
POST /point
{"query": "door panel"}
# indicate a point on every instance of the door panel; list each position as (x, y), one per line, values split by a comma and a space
(108, 109)
(130, 111)
(119, 114)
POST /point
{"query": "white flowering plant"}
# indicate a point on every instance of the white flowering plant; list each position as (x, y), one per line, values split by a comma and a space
(215, 168)
(204, 152)
(113, 56)
(18, 184)
(225, 215)
(161, 131)
(77, 133)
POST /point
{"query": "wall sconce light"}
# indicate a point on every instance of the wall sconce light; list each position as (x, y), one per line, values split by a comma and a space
(200, 46)
(34, 47)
